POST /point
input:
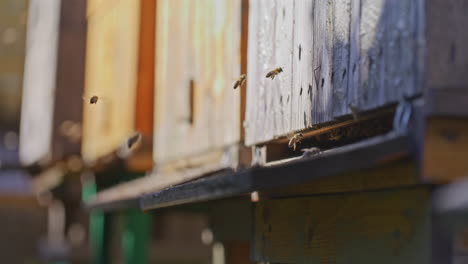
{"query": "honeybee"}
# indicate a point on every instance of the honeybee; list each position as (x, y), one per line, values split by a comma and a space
(240, 81)
(93, 99)
(295, 139)
(272, 74)
(133, 139)
(356, 112)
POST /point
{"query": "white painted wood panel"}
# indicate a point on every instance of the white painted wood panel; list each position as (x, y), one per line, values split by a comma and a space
(39, 80)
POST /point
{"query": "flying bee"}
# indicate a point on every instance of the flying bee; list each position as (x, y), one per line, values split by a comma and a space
(133, 139)
(240, 81)
(295, 139)
(93, 99)
(272, 74)
(355, 111)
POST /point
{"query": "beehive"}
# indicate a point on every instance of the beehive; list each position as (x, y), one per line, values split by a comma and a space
(197, 111)
(113, 73)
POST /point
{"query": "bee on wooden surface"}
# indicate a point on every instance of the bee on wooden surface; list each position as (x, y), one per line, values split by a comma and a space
(355, 111)
(133, 139)
(272, 74)
(295, 140)
(240, 81)
(93, 99)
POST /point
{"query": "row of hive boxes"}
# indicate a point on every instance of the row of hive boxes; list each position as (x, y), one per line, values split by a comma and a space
(166, 68)
(185, 55)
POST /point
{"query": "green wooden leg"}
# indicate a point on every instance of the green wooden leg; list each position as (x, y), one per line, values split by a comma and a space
(96, 227)
(136, 237)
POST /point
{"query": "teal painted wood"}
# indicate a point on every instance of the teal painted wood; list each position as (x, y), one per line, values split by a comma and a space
(96, 225)
(136, 237)
(373, 227)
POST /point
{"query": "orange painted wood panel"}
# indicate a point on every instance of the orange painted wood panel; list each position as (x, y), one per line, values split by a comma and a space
(145, 87)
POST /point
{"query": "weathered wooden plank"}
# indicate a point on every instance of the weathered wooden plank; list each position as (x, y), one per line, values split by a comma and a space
(39, 81)
(384, 227)
(111, 73)
(280, 90)
(371, 29)
(261, 59)
(354, 54)
(358, 52)
(301, 89)
(197, 60)
(341, 53)
(322, 62)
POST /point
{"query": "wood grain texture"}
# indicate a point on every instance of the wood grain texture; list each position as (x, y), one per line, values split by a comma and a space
(39, 81)
(197, 62)
(111, 73)
(384, 227)
(337, 53)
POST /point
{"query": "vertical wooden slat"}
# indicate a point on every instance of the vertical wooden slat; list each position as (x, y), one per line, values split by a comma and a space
(244, 49)
(145, 86)
(303, 69)
(39, 81)
(68, 106)
(341, 53)
(322, 62)
(281, 97)
(262, 26)
(352, 95)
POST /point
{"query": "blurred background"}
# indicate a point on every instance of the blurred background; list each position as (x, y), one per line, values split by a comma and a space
(111, 109)
(45, 46)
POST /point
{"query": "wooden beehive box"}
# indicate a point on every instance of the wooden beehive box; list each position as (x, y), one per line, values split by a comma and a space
(197, 111)
(53, 81)
(333, 54)
(119, 70)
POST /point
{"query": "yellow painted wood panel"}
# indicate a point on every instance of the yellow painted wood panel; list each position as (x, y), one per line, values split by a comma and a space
(111, 74)
(197, 61)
